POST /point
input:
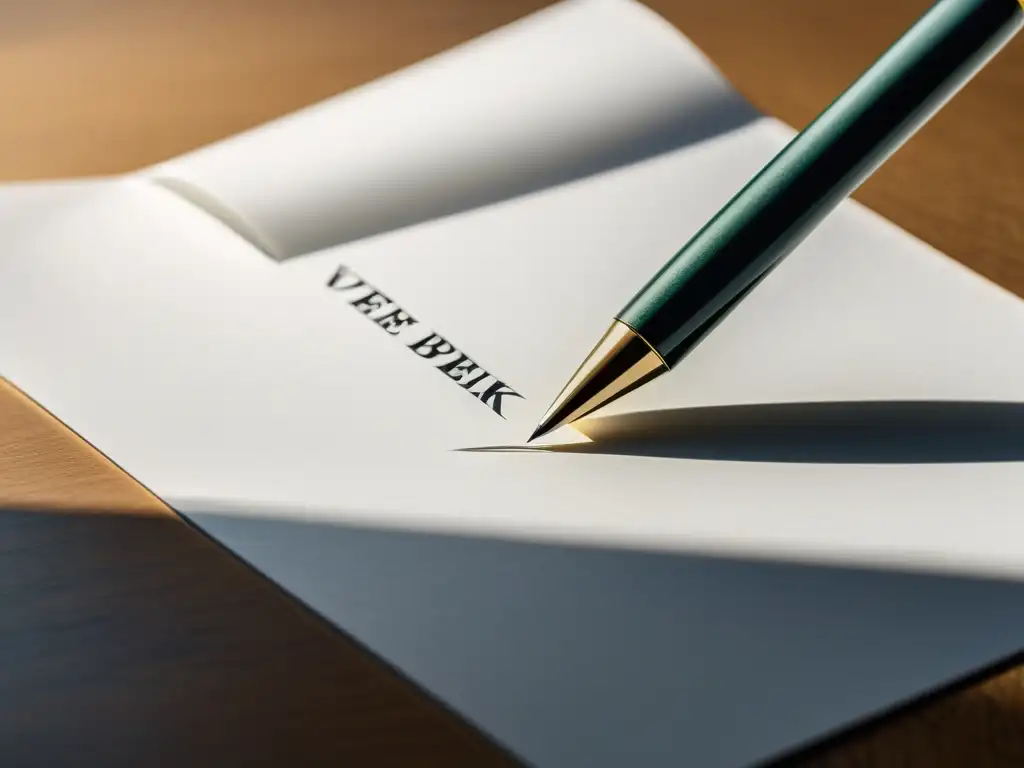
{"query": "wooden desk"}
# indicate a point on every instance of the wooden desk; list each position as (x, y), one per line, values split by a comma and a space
(128, 638)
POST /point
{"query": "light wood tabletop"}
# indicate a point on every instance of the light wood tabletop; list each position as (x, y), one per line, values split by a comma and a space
(127, 637)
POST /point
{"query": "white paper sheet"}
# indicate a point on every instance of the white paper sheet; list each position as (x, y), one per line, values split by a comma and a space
(210, 372)
(579, 87)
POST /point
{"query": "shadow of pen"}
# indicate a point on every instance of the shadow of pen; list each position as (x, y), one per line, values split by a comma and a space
(852, 432)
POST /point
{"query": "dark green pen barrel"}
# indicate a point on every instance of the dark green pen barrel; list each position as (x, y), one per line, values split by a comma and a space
(825, 163)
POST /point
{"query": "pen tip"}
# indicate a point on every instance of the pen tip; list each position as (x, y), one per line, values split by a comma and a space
(621, 362)
(538, 432)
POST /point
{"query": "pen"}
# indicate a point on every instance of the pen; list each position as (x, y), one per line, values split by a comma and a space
(786, 200)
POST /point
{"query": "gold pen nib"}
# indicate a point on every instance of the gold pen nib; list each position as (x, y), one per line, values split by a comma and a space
(621, 362)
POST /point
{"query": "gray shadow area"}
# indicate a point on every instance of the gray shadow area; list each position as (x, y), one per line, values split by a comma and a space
(551, 164)
(590, 658)
(691, 124)
(868, 432)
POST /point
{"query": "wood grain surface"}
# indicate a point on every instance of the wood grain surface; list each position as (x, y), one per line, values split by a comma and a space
(126, 637)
